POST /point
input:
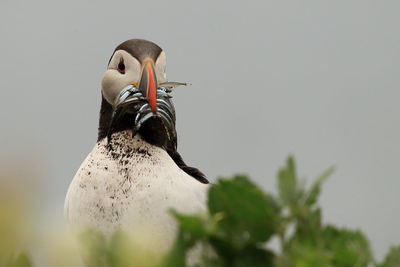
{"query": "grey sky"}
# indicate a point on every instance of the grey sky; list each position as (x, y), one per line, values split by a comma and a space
(317, 79)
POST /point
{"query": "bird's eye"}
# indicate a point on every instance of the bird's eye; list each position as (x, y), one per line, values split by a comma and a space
(121, 66)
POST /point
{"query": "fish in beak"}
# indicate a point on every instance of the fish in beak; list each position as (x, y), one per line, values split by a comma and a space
(147, 102)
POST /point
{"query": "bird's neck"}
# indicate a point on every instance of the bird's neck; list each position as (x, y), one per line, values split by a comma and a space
(149, 132)
(123, 142)
(122, 146)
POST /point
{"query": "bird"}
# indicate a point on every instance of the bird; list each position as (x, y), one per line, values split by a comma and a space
(134, 174)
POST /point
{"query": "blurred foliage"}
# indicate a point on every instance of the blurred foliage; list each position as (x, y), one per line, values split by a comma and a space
(15, 233)
(241, 222)
(392, 258)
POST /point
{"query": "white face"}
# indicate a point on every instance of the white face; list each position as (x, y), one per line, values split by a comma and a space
(124, 69)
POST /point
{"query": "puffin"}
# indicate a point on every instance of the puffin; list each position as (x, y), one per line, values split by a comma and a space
(134, 174)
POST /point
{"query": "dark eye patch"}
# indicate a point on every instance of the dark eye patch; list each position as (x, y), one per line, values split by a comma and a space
(121, 66)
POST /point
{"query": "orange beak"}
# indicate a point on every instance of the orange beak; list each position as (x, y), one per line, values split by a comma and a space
(148, 84)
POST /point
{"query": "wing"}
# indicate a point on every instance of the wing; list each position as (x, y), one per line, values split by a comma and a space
(195, 173)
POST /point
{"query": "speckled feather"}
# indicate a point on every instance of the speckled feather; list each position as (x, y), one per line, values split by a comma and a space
(131, 184)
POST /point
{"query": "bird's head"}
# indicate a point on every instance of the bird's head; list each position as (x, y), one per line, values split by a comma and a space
(136, 94)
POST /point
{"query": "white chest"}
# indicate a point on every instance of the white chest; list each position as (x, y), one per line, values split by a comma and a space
(131, 185)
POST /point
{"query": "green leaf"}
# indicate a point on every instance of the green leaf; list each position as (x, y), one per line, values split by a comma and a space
(22, 260)
(191, 224)
(248, 214)
(95, 250)
(316, 187)
(302, 254)
(392, 259)
(309, 226)
(120, 251)
(177, 255)
(287, 182)
(254, 257)
(348, 248)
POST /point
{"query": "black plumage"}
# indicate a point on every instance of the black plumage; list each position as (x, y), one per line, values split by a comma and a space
(152, 130)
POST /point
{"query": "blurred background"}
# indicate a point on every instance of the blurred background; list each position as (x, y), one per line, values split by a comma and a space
(316, 79)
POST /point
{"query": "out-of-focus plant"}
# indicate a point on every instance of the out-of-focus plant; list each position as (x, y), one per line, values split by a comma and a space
(237, 230)
(15, 233)
(243, 219)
